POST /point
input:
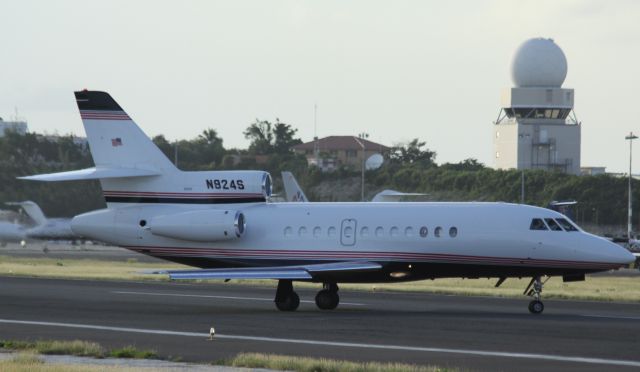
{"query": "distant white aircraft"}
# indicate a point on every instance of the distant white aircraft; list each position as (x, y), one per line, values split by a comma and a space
(12, 233)
(46, 228)
(293, 192)
(221, 222)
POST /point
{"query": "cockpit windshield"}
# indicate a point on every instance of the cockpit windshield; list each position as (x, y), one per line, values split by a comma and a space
(553, 225)
(558, 224)
(538, 224)
(568, 226)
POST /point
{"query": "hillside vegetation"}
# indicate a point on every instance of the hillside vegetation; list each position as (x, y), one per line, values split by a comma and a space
(409, 167)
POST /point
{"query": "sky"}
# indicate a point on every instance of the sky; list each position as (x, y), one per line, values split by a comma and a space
(394, 69)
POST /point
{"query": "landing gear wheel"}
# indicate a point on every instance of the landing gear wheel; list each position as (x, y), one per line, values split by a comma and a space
(536, 307)
(289, 303)
(286, 299)
(327, 300)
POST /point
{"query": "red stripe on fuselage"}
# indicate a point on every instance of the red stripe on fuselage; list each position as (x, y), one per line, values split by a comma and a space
(370, 256)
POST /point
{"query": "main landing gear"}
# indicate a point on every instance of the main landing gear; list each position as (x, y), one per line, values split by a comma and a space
(534, 289)
(287, 299)
(327, 298)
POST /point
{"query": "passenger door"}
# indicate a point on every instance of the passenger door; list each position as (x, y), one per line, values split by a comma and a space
(348, 232)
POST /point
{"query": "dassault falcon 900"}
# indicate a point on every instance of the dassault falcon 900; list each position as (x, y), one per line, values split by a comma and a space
(223, 223)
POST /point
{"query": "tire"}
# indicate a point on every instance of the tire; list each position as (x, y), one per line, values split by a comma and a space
(536, 307)
(290, 303)
(327, 300)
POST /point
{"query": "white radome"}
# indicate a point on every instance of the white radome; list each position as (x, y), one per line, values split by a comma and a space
(538, 62)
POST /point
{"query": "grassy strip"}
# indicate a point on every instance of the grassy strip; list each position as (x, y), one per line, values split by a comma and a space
(305, 364)
(76, 348)
(27, 362)
(28, 359)
(83, 268)
(601, 288)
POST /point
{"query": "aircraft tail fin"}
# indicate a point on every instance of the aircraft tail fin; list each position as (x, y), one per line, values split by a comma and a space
(33, 211)
(125, 158)
(292, 190)
(114, 138)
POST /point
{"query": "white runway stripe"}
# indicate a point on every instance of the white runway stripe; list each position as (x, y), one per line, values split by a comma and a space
(220, 297)
(613, 317)
(560, 358)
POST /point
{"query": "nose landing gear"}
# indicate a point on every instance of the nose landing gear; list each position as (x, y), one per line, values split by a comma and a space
(327, 298)
(535, 306)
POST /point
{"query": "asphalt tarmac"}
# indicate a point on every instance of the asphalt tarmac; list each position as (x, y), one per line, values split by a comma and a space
(472, 333)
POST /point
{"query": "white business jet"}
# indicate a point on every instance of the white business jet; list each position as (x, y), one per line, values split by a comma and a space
(222, 223)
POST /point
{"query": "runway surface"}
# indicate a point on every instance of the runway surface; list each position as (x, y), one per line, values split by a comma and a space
(473, 333)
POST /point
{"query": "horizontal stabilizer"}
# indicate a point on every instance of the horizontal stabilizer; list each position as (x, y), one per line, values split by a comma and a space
(394, 196)
(275, 272)
(92, 174)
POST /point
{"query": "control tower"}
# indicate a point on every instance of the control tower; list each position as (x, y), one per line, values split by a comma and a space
(536, 127)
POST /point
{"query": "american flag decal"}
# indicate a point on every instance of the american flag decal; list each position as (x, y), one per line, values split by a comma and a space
(116, 142)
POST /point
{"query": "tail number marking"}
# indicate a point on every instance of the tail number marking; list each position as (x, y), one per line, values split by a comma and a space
(224, 184)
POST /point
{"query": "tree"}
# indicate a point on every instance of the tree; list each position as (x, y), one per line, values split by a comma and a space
(412, 153)
(163, 145)
(470, 164)
(261, 137)
(210, 145)
(283, 138)
(267, 138)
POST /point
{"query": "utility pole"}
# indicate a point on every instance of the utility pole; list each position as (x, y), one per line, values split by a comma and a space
(175, 154)
(630, 137)
(522, 187)
(362, 135)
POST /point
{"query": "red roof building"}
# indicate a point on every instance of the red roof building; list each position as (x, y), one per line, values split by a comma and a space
(332, 152)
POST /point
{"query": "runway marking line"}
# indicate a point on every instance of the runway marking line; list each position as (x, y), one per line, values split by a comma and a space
(485, 353)
(612, 317)
(218, 297)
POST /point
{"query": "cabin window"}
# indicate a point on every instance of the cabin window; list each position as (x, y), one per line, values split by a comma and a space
(408, 232)
(364, 232)
(394, 231)
(288, 231)
(331, 231)
(453, 232)
(537, 224)
(379, 231)
(568, 226)
(317, 231)
(302, 231)
(437, 231)
(553, 225)
(424, 231)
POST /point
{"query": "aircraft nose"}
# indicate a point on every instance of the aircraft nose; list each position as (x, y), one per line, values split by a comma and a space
(618, 254)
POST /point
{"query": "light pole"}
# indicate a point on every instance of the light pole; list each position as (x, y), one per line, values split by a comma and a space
(630, 137)
(522, 187)
(362, 135)
(175, 154)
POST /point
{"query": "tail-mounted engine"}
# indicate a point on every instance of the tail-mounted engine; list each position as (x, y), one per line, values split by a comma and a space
(199, 226)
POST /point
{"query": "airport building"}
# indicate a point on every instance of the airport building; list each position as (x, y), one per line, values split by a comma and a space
(19, 127)
(330, 153)
(536, 126)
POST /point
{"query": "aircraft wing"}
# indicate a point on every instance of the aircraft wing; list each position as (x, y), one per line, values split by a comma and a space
(92, 174)
(273, 272)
